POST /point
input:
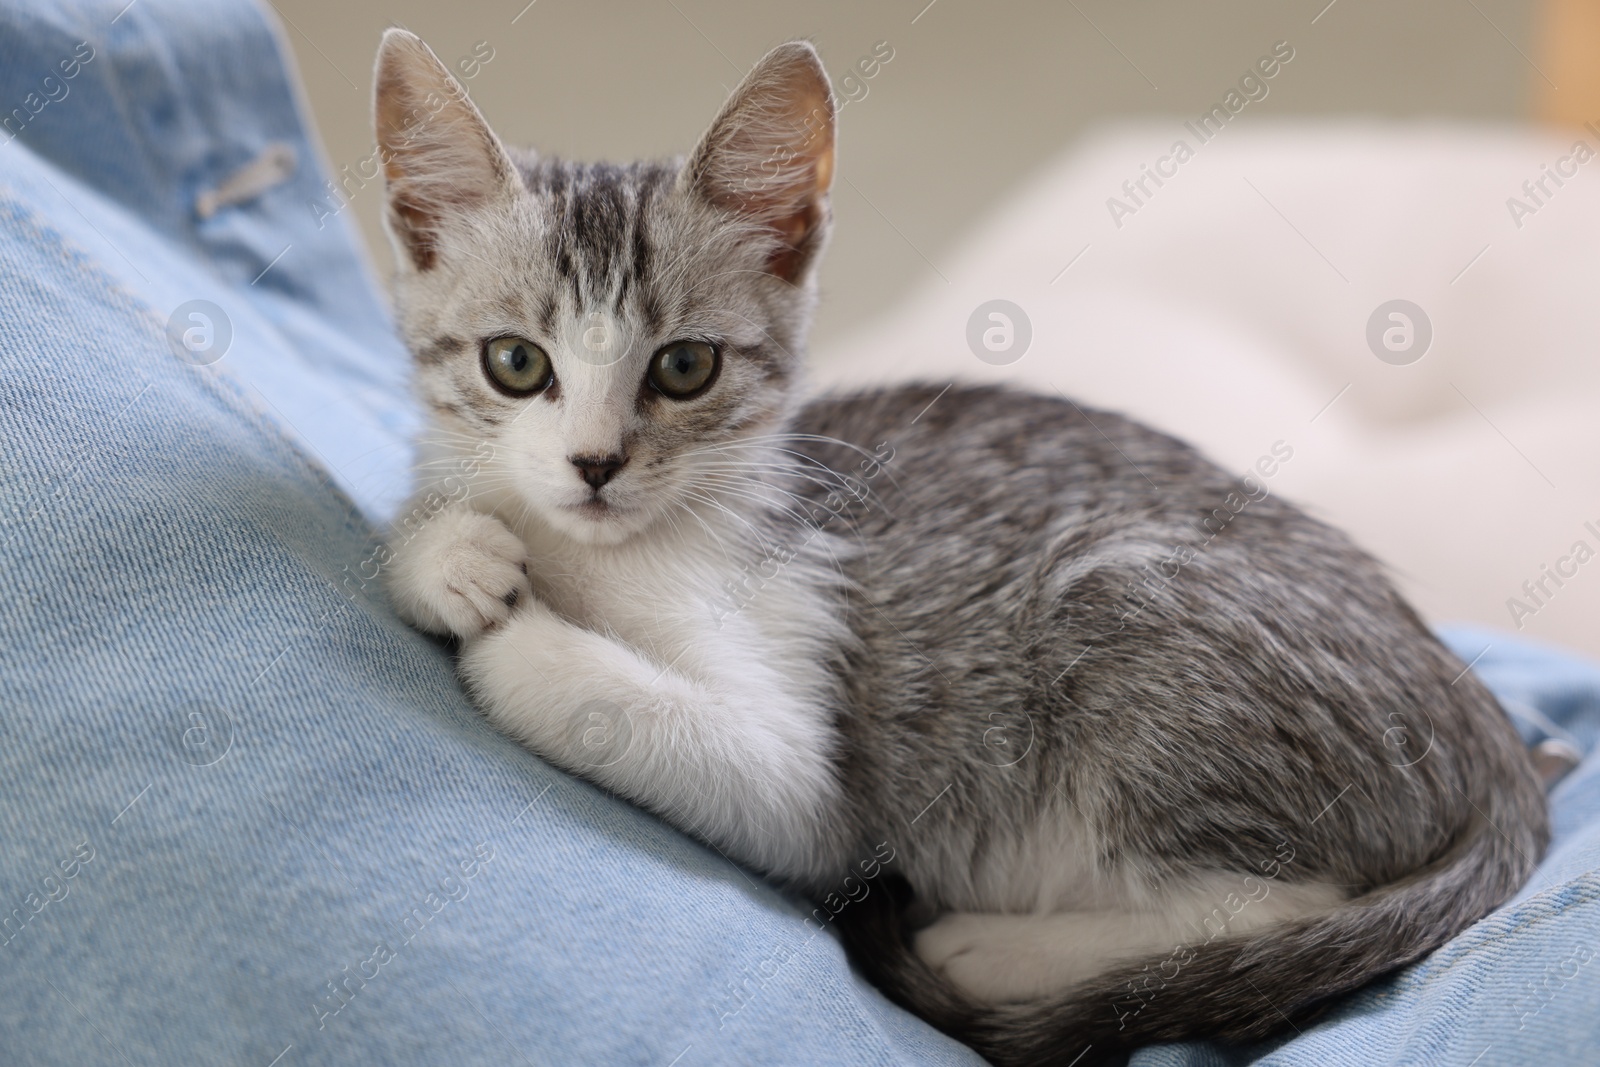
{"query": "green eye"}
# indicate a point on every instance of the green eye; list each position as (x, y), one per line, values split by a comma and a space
(517, 365)
(683, 368)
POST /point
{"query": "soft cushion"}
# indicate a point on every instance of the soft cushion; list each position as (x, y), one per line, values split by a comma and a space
(1232, 309)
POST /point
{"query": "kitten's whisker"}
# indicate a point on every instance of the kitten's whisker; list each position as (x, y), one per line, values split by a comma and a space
(706, 526)
(754, 488)
(741, 477)
(882, 464)
(776, 464)
(756, 476)
(841, 513)
(747, 495)
(707, 499)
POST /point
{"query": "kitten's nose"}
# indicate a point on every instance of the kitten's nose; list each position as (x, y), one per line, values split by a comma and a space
(597, 470)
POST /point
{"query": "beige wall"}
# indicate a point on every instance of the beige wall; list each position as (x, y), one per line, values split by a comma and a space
(976, 96)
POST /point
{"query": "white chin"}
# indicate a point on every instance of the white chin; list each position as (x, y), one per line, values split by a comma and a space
(597, 526)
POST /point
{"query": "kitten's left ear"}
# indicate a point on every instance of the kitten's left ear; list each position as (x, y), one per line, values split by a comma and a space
(768, 157)
(440, 158)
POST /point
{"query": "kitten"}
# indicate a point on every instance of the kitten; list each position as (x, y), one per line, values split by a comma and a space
(1127, 771)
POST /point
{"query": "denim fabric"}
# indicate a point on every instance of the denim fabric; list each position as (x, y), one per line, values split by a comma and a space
(244, 812)
(247, 816)
(177, 97)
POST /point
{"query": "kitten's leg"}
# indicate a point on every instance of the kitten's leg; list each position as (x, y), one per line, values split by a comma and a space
(459, 573)
(728, 752)
(998, 958)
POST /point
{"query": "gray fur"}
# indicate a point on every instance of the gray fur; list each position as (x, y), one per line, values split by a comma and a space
(1005, 569)
(1204, 722)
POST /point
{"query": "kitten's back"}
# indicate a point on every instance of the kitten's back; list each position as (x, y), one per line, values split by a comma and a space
(1200, 670)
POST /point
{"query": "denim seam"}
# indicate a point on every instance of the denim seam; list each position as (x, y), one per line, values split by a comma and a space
(224, 388)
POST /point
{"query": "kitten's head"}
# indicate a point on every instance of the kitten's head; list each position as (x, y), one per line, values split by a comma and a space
(609, 330)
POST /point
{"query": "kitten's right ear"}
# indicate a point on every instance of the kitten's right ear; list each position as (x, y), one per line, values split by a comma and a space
(440, 158)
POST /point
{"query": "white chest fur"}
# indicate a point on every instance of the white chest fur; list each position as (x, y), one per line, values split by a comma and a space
(714, 654)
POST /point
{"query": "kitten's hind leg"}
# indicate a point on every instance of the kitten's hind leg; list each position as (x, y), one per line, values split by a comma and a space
(1006, 957)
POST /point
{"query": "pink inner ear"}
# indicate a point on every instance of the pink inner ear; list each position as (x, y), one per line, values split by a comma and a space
(770, 156)
(439, 156)
(786, 262)
(793, 202)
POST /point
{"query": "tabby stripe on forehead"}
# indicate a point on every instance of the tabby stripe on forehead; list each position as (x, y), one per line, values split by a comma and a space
(598, 221)
(562, 188)
(622, 291)
(597, 240)
(639, 245)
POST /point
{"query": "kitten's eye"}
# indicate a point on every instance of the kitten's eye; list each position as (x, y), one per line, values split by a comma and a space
(517, 365)
(683, 369)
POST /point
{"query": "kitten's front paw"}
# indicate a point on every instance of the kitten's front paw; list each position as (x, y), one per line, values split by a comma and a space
(460, 574)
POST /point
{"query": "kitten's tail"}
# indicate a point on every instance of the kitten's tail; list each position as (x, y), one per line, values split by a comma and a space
(1232, 989)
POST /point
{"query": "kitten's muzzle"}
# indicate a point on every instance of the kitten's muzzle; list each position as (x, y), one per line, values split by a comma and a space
(598, 470)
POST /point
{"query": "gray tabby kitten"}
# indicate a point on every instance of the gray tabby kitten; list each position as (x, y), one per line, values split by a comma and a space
(1131, 762)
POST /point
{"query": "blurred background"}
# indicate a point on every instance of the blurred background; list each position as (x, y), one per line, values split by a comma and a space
(977, 97)
(1426, 152)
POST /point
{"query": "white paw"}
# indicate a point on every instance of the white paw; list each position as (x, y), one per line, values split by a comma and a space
(995, 958)
(962, 947)
(461, 574)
